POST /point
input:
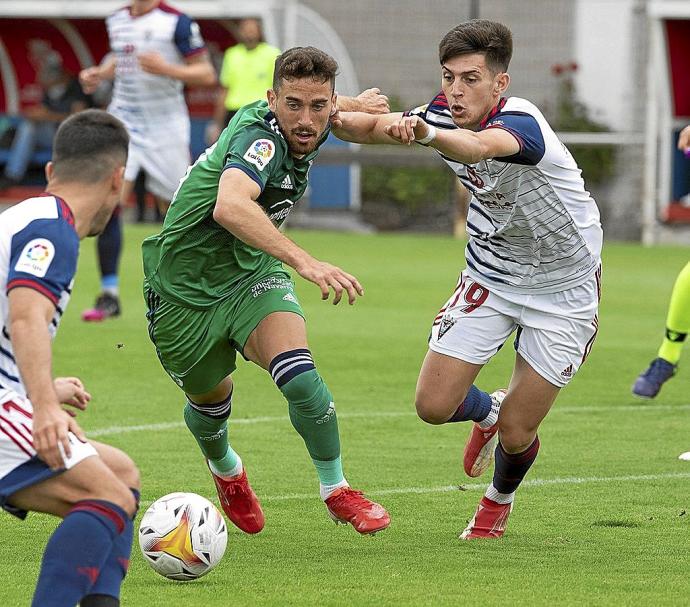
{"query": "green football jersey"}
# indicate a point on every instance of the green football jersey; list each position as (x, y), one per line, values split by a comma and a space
(194, 261)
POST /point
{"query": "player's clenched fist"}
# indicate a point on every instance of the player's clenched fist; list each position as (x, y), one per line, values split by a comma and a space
(407, 129)
(89, 79)
(327, 276)
(50, 435)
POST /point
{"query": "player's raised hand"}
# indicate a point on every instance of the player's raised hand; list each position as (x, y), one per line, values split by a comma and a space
(373, 102)
(50, 434)
(90, 78)
(684, 140)
(153, 63)
(407, 129)
(71, 391)
(327, 276)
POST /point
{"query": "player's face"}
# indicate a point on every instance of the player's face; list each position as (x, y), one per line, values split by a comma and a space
(471, 88)
(302, 107)
(249, 32)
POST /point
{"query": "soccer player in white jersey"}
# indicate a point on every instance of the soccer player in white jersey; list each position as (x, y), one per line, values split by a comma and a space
(155, 52)
(532, 260)
(46, 463)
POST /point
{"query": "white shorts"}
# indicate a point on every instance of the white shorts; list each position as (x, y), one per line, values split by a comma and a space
(555, 331)
(164, 167)
(19, 465)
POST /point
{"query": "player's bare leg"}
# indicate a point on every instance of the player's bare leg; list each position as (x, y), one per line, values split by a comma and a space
(445, 393)
(279, 345)
(86, 558)
(528, 400)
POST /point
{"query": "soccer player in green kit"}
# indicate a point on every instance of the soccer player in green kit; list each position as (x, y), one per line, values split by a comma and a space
(215, 285)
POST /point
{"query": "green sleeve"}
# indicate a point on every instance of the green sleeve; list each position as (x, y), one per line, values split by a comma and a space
(256, 152)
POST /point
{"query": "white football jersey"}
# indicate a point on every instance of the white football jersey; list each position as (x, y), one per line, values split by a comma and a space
(151, 106)
(39, 248)
(532, 226)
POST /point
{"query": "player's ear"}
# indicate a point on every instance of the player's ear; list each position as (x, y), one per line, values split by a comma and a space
(272, 99)
(502, 83)
(117, 179)
(49, 170)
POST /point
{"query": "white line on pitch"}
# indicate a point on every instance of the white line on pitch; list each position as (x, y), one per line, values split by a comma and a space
(537, 482)
(112, 430)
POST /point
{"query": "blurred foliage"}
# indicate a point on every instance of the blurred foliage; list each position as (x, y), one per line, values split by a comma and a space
(597, 163)
(408, 187)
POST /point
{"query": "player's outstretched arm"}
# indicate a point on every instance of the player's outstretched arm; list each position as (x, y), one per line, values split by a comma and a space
(370, 101)
(358, 127)
(196, 70)
(30, 313)
(462, 145)
(684, 140)
(237, 211)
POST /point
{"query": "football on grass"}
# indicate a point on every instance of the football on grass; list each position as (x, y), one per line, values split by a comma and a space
(182, 536)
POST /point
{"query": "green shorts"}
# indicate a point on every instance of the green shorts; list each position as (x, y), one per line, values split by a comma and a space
(197, 348)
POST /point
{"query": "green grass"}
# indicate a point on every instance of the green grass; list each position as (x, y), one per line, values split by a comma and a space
(619, 541)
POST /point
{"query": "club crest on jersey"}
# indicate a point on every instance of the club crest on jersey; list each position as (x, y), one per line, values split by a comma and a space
(446, 323)
(260, 153)
(36, 257)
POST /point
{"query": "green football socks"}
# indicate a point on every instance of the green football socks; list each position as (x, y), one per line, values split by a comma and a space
(210, 433)
(678, 319)
(312, 413)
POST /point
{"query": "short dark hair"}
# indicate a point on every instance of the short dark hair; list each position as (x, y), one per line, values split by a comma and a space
(479, 36)
(88, 146)
(304, 62)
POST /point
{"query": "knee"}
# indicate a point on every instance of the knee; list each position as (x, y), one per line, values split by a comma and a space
(431, 409)
(130, 476)
(515, 439)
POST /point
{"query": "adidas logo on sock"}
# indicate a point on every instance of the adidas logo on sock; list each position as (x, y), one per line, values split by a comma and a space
(568, 371)
(287, 183)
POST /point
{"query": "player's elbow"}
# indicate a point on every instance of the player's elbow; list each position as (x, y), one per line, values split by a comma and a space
(226, 212)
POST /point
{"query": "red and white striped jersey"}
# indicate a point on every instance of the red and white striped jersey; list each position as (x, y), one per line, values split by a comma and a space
(151, 106)
(532, 226)
(39, 248)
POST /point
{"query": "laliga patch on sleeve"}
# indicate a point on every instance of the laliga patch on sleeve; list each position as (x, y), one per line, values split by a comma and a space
(260, 153)
(36, 257)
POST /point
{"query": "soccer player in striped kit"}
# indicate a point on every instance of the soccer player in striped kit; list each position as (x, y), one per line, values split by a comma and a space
(532, 260)
(155, 52)
(46, 463)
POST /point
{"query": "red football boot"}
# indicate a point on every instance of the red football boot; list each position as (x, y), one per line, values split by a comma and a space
(239, 502)
(346, 505)
(480, 446)
(489, 521)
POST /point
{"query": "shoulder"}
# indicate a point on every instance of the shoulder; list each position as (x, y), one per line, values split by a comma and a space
(526, 123)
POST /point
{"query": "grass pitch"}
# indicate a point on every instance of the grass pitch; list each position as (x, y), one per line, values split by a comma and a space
(601, 519)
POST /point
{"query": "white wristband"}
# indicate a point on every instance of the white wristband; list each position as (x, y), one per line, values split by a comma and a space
(430, 136)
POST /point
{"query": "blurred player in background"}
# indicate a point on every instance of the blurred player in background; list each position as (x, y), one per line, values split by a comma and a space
(155, 52)
(246, 75)
(533, 260)
(215, 286)
(665, 365)
(46, 464)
